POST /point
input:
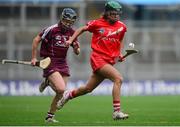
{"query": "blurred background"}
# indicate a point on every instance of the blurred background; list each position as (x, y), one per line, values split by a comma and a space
(153, 25)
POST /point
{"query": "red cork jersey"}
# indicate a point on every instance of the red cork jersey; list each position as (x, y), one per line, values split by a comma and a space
(107, 38)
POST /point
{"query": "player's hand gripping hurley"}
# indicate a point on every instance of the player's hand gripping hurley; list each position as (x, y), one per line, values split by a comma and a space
(42, 63)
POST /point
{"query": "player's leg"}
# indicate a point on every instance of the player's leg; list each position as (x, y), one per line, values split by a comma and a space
(58, 83)
(51, 113)
(92, 83)
(112, 73)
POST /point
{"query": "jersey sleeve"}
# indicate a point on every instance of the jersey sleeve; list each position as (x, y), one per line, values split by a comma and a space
(45, 34)
(91, 25)
(75, 40)
(41, 33)
(125, 28)
(122, 34)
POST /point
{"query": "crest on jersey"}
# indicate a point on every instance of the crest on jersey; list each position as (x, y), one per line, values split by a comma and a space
(101, 31)
(58, 37)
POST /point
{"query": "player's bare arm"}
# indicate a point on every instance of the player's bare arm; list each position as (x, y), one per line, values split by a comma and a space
(35, 44)
(78, 32)
(121, 58)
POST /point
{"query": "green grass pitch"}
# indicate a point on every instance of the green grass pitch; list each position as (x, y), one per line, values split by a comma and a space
(91, 110)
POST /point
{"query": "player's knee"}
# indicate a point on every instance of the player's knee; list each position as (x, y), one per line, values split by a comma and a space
(118, 80)
(60, 90)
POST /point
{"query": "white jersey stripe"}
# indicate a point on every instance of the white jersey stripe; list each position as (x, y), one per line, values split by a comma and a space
(47, 30)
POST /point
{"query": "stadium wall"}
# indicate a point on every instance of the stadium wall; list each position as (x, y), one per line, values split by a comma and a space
(129, 88)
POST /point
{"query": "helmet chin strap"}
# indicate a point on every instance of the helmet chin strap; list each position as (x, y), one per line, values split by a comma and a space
(112, 21)
(64, 28)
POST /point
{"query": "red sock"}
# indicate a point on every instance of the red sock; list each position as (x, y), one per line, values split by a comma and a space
(72, 94)
(116, 105)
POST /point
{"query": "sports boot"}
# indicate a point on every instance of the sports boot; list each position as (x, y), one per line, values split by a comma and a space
(117, 115)
(43, 85)
(63, 100)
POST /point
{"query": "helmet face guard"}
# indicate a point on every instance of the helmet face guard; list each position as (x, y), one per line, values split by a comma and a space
(112, 16)
(68, 17)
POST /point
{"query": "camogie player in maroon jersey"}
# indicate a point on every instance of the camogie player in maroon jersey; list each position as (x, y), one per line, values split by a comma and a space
(108, 33)
(53, 45)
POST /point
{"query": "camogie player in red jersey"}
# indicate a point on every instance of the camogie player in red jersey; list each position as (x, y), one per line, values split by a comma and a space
(108, 33)
(53, 44)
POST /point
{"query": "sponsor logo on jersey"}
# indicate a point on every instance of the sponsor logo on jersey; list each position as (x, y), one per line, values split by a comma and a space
(108, 37)
(60, 41)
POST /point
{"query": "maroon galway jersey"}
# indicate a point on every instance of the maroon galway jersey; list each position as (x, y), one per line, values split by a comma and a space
(53, 41)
